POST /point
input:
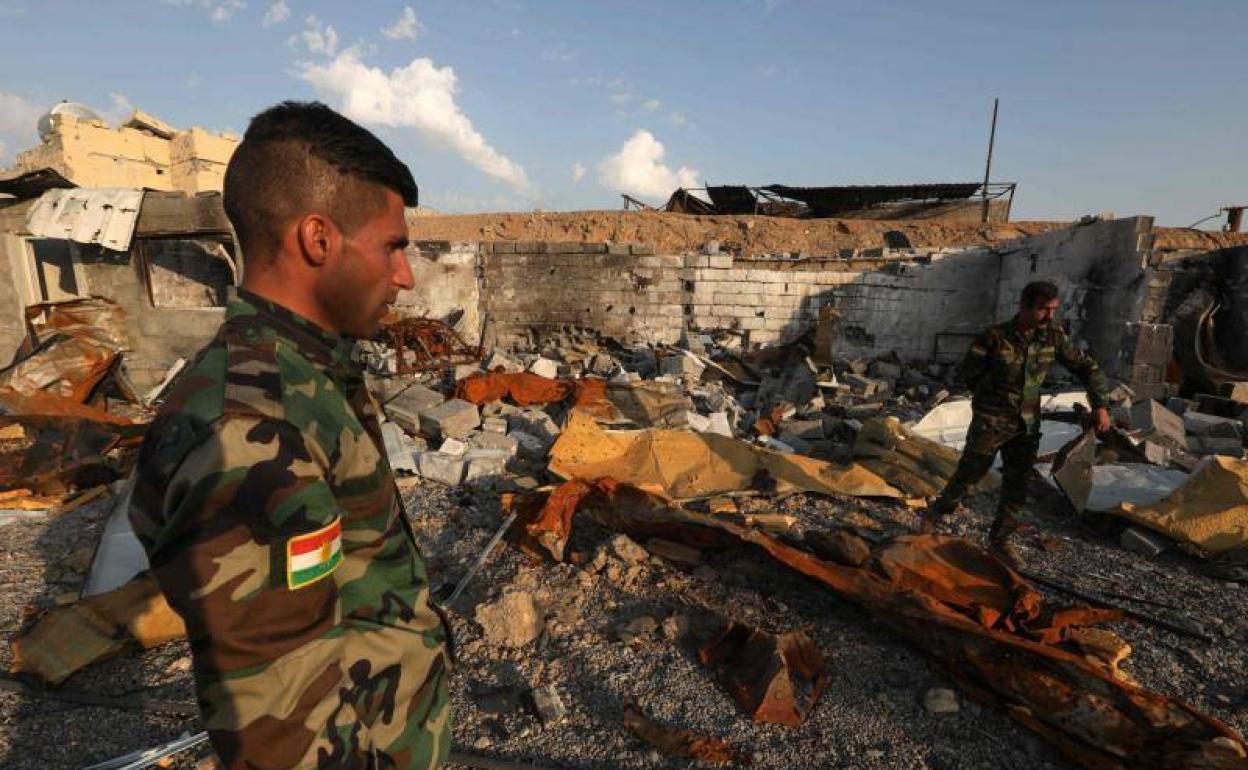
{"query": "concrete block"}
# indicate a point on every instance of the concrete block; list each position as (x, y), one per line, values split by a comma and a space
(453, 446)
(697, 422)
(494, 424)
(416, 398)
(536, 423)
(483, 464)
(443, 468)
(680, 365)
(455, 418)
(1142, 541)
(529, 446)
(718, 422)
(720, 260)
(399, 450)
(497, 441)
(1158, 424)
(545, 367)
(1212, 426)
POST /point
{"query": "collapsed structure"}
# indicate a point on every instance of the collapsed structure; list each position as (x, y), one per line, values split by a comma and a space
(683, 377)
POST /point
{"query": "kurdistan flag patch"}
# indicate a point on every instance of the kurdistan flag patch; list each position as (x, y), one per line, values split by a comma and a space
(312, 556)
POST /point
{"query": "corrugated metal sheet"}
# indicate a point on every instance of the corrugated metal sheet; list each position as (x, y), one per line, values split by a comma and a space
(104, 215)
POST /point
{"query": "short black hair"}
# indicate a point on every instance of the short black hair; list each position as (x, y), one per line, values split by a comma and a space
(1037, 292)
(298, 157)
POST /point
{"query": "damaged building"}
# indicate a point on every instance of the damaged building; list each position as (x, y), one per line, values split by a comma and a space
(703, 440)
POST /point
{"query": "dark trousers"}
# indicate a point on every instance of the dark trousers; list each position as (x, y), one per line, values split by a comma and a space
(988, 435)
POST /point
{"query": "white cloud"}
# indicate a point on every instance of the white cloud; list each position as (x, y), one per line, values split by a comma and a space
(638, 168)
(650, 105)
(679, 119)
(420, 96)
(19, 119)
(317, 37)
(119, 108)
(404, 28)
(559, 52)
(276, 14)
(219, 11)
(578, 172)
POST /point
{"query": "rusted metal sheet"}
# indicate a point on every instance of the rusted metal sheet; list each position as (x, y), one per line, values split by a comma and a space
(73, 346)
(528, 389)
(983, 623)
(776, 678)
(676, 742)
(432, 343)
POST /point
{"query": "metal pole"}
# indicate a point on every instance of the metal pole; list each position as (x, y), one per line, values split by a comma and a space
(992, 138)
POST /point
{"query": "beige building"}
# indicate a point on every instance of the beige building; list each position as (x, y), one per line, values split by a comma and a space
(143, 152)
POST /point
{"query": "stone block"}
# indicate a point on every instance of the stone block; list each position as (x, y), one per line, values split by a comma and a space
(680, 365)
(455, 418)
(496, 441)
(545, 367)
(494, 424)
(1212, 426)
(484, 464)
(720, 260)
(1158, 424)
(718, 422)
(534, 422)
(498, 360)
(442, 468)
(416, 398)
(399, 450)
(528, 446)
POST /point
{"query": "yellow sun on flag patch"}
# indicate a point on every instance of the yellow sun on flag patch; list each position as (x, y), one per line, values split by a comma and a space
(314, 555)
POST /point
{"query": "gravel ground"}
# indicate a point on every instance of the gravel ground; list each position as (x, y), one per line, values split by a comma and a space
(870, 716)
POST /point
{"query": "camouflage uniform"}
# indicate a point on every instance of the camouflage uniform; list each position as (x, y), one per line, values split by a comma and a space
(273, 525)
(1004, 371)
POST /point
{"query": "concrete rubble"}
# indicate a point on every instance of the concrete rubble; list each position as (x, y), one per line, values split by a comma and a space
(715, 423)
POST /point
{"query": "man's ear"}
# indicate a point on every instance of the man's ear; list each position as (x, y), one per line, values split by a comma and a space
(318, 238)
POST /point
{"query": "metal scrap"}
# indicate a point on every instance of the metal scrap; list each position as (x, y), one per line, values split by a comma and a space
(991, 631)
(71, 347)
(432, 344)
(776, 678)
(676, 742)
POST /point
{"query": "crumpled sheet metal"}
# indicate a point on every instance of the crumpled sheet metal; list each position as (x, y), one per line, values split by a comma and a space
(675, 742)
(106, 216)
(918, 466)
(434, 343)
(983, 623)
(1209, 510)
(775, 678)
(71, 638)
(682, 464)
(528, 389)
(65, 453)
(75, 343)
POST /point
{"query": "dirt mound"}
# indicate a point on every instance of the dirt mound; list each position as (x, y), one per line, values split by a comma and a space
(750, 235)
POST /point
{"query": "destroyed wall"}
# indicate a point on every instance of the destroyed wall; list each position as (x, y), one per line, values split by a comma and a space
(142, 153)
(445, 281)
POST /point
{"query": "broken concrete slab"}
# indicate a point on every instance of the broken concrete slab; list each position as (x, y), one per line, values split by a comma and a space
(545, 367)
(454, 418)
(1158, 424)
(682, 365)
(399, 453)
(440, 467)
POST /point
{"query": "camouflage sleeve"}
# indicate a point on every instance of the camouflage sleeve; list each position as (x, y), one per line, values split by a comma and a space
(1083, 366)
(247, 502)
(975, 365)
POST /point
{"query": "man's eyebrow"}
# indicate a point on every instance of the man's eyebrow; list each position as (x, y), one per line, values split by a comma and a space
(402, 242)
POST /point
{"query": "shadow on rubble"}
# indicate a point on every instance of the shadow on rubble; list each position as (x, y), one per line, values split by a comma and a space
(44, 732)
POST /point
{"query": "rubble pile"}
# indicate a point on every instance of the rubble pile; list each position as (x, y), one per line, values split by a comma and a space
(656, 554)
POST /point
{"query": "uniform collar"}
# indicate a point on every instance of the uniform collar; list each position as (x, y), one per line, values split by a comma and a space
(313, 342)
(1040, 334)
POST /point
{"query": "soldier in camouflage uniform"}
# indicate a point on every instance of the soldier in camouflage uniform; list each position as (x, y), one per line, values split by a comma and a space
(265, 501)
(1004, 369)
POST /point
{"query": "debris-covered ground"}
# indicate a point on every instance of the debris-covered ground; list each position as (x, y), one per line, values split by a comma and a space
(582, 647)
(613, 636)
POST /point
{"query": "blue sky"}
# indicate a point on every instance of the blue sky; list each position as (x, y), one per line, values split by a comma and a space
(1130, 107)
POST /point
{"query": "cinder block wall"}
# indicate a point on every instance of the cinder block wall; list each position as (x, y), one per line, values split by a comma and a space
(888, 300)
(922, 303)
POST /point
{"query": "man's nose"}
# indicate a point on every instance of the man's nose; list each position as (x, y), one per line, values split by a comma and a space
(402, 275)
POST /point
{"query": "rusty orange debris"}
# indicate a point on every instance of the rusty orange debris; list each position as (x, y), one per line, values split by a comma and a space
(992, 632)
